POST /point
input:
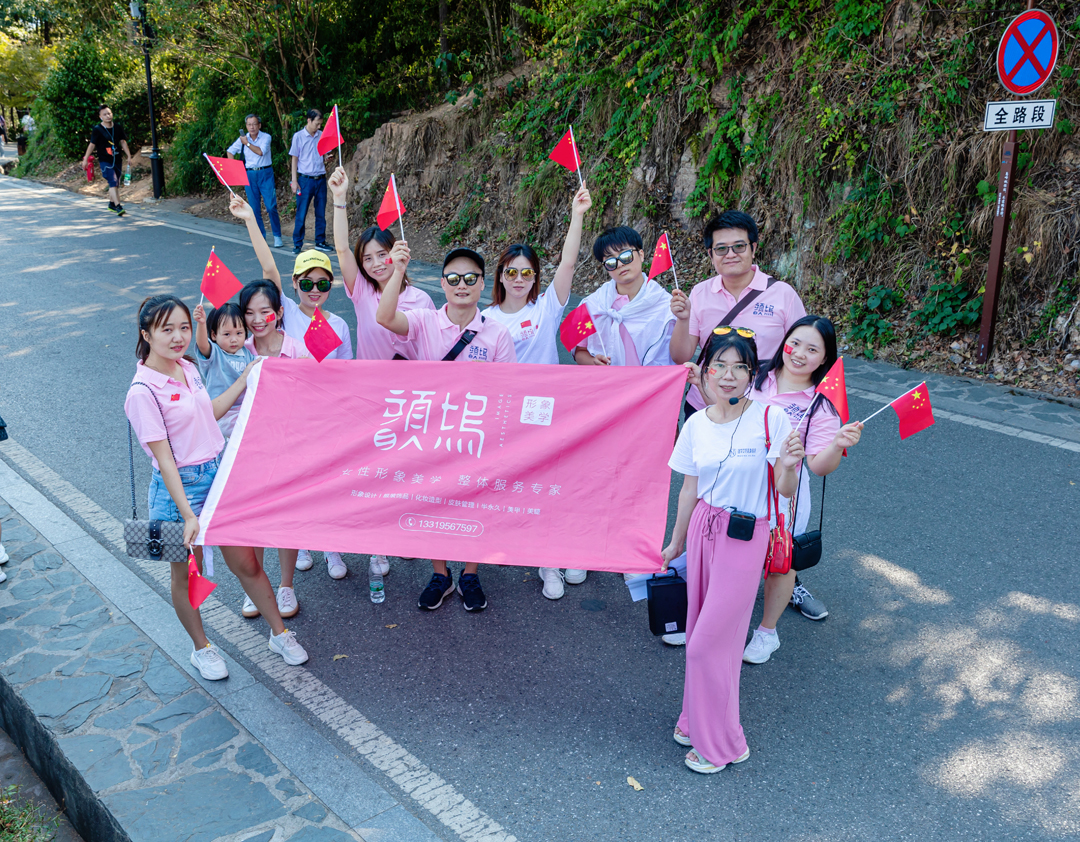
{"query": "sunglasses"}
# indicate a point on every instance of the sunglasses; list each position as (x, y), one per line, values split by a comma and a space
(612, 263)
(744, 332)
(454, 279)
(738, 248)
(308, 284)
(737, 369)
(512, 273)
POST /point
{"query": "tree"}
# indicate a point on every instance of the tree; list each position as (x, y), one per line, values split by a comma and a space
(23, 68)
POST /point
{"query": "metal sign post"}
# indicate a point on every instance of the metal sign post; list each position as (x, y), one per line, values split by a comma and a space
(1026, 57)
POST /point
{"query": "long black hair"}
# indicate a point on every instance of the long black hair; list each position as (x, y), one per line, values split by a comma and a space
(827, 332)
(154, 312)
(267, 288)
(716, 344)
(386, 239)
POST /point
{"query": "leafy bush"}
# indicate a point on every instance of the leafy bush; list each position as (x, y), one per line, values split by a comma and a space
(869, 327)
(945, 309)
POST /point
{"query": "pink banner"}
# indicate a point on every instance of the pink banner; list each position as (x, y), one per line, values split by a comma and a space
(533, 465)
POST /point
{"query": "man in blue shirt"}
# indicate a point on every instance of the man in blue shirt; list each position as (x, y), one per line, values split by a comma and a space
(309, 181)
(260, 171)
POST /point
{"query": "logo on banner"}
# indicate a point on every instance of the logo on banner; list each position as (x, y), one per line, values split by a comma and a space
(537, 411)
(460, 422)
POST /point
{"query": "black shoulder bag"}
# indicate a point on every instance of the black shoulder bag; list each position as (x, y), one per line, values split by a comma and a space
(462, 343)
(155, 540)
(806, 548)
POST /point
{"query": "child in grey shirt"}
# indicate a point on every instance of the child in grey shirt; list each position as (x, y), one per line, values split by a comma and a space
(221, 355)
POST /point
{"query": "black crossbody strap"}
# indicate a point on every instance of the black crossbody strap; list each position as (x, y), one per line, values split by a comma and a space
(746, 301)
(462, 343)
(131, 448)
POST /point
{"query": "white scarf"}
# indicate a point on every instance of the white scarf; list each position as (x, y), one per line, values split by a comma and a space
(647, 318)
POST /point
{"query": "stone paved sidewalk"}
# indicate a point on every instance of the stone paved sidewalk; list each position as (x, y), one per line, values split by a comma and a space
(129, 742)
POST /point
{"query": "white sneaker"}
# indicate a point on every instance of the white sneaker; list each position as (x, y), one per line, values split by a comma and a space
(675, 639)
(553, 582)
(575, 577)
(626, 577)
(249, 610)
(760, 647)
(380, 565)
(335, 566)
(209, 663)
(286, 602)
(3, 555)
(286, 646)
(303, 560)
(3, 576)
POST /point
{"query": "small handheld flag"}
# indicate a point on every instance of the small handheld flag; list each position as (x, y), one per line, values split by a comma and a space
(198, 588)
(833, 387)
(578, 326)
(331, 136)
(230, 171)
(218, 283)
(914, 411)
(566, 154)
(391, 208)
(662, 259)
(321, 338)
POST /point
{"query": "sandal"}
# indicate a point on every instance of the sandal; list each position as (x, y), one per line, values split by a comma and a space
(705, 767)
(681, 738)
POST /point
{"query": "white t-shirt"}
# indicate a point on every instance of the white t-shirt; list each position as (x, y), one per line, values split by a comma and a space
(534, 328)
(297, 322)
(742, 480)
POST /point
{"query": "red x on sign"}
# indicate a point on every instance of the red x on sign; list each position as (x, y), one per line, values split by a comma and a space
(1028, 52)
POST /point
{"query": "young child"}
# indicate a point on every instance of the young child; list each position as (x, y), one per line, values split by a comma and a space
(632, 314)
(433, 335)
(313, 278)
(222, 356)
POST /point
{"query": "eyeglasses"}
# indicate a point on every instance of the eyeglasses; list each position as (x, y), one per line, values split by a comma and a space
(308, 284)
(744, 332)
(512, 273)
(454, 279)
(612, 263)
(738, 248)
(737, 369)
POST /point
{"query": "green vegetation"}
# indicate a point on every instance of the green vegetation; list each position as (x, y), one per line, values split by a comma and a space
(23, 821)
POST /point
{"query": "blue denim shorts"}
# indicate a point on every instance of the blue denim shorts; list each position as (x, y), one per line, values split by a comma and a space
(109, 171)
(197, 480)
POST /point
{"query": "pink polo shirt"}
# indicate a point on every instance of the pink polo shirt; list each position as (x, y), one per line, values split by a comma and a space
(185, 411)
(770, 315)
(291, 349)
(373, 341)
(432, 335)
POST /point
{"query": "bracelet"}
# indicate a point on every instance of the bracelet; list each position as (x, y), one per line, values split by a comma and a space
(339, 206)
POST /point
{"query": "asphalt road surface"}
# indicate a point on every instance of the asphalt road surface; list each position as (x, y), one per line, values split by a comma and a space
(939, 700)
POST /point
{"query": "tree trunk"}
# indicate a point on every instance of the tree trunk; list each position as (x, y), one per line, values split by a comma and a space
(442, 27)
(46, 36)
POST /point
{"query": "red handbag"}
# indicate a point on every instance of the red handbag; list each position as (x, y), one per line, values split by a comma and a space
(778, 556)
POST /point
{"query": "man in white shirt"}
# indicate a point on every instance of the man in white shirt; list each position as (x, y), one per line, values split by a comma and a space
(255, 145)
(309, 181)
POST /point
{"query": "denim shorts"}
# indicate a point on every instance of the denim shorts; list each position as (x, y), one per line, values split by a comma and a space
(109, 171)
(197, 480)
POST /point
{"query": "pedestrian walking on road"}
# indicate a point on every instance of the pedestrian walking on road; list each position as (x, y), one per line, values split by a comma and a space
(175, 420)
(108, 138)
(309, 181)
(255, 144)
(725, 463)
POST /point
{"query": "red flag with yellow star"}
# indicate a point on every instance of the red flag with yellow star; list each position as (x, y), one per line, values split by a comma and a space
(578, 326)
(230, 171)
(321, 338)
(914, 411)
(218, 283)
(661, 259)
(833, 387)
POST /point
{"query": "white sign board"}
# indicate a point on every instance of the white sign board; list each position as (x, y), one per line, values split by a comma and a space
(1026, 114)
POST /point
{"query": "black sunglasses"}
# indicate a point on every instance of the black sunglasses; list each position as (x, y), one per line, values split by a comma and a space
(454, 279)
(308, 284)
(612, 263)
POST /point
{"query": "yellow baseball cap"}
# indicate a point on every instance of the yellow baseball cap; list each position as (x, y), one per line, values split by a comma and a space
(311, 259)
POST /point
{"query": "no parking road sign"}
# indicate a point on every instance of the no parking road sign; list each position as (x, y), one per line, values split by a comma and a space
(1028, 52)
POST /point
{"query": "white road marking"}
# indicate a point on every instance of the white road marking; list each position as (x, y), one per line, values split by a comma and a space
(406, 770)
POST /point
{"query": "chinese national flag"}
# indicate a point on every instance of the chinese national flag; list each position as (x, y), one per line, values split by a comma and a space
(914, 411)
(230, 171)
(661, 259)
(331, 134)
(198, 588)
(391, 208)
(833, 387)
(218, 283)
(578, 325)
(566, 153)
(321, 338)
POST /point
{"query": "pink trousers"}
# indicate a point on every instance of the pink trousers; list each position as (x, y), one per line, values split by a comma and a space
(722, 576)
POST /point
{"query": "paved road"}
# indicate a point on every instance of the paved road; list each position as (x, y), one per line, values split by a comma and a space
(938, 701)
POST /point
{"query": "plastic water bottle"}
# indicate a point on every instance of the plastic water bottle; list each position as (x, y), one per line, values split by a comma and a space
(127, 176)
(375, 586)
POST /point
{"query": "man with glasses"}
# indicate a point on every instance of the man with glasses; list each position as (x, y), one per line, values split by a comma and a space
(740, 293)
(309, 181)
(255, 144)
(632, 314)
(457, 332)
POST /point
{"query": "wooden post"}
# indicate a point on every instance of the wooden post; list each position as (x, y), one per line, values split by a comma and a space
(1002, 216)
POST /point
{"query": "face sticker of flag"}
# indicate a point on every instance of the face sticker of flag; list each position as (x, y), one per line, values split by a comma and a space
(914, 411)
(578, 326)
(321, 339)
(218, 283)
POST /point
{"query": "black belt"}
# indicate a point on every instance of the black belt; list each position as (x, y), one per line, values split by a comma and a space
(305, 175)
(253, 169)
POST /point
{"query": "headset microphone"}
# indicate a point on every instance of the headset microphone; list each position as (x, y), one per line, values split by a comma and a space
(734, 401)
